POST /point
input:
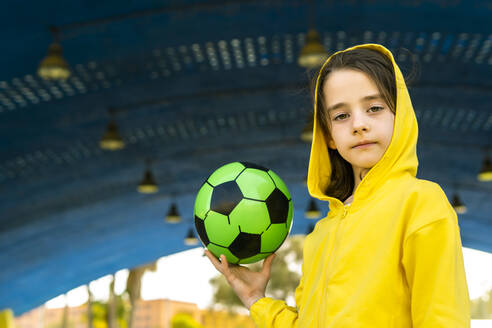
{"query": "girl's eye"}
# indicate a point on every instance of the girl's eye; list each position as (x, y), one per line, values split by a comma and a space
(339, 117)
(377, 108)
(373, 109)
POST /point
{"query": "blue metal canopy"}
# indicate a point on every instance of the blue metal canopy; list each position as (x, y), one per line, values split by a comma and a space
(193, 85)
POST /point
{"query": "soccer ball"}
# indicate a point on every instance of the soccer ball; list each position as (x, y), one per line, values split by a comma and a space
(243, 211)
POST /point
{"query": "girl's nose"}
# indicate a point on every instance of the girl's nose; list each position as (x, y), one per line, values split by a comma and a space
(359, 123)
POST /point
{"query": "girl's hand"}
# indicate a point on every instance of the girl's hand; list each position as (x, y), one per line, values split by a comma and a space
(248, 285)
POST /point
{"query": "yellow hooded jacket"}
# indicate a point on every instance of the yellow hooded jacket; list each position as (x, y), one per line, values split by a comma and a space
(393, 258)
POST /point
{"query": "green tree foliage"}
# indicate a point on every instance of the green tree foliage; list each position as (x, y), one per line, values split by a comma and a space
(481, 308)
(184, 320)
(122, 309)
(284, 277)
(99, 312)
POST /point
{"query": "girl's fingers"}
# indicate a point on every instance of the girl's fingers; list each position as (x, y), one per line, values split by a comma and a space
(267, 264)
(214, 261)
(225, 265)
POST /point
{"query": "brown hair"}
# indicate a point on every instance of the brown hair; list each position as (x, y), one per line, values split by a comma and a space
(379, 68)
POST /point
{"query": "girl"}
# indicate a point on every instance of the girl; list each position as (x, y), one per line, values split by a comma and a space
(388, 254)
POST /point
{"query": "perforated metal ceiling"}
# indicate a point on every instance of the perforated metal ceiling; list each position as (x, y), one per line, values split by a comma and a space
(194, 85)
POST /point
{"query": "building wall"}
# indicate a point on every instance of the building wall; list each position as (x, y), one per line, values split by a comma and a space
(31, 319)
(42, 317)
(158, 313)
(148, 314)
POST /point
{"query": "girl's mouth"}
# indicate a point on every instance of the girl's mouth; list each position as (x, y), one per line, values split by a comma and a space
(367, 145)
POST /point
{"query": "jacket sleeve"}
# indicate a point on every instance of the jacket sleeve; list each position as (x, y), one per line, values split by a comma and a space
(270, 313)
(434, 269)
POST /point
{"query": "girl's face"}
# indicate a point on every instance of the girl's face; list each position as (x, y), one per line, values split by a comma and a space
(357, 113)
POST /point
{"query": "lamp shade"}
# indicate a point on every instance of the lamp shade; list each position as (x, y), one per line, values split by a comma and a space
(190, 238)
(307, 132)
(173, 215)
(486, 170)
(458, 205)
(111, 139)
(313, 54)
(148, 185)
(54, 66)
(312, 212)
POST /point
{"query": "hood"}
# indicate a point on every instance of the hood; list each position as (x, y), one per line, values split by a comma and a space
(399, 159)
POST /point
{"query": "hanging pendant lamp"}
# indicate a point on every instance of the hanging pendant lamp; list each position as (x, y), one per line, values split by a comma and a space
(486, 170)
(173, 215)
(312, 212)
(190, 238)
(148, 184)
(54, 66)
(313, 54)
(307, 132)
(458, 205)
(111, 140)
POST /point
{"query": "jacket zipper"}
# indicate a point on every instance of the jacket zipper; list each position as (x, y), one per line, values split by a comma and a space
(333, 252)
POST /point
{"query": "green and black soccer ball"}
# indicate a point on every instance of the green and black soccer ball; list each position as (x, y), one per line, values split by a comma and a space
(243, 211)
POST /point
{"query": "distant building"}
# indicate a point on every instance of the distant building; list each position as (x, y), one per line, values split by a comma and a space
(148, 314)
(42, 317)
(158, 313)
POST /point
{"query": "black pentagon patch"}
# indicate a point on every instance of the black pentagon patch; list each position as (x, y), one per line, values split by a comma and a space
(225, 197)
(246, 245)
(278, 206)
(200, 228)
(254, 166)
